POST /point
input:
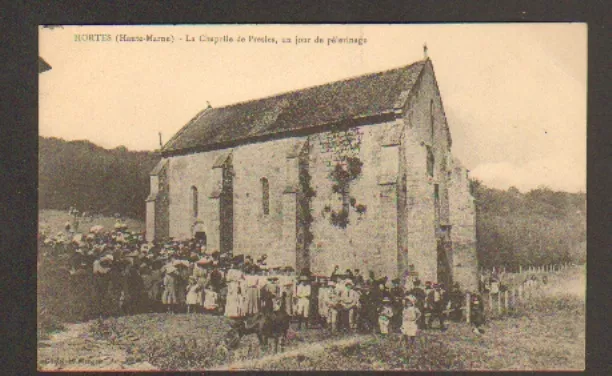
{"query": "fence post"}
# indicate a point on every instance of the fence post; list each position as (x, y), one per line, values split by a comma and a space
(499, 302)
(520, 269)
(467, 307)
(490, 302)
(520, 292)
(506, 303)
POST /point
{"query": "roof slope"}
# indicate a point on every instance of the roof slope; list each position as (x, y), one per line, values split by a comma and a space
(43, 66)
(359, 97)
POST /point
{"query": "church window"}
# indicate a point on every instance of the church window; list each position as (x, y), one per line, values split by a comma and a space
(437, 202)
(265, 196)
(430, 162)
(194, 202)
(431, 120)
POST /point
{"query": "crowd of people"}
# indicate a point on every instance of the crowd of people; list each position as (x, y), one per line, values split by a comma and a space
(130, 275)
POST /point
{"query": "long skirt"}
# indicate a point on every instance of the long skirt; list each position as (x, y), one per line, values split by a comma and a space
(211, 300)
(410, 328)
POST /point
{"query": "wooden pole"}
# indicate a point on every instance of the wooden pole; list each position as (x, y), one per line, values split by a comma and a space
(506, 300)
(490, 302)
(520, 269)
(467, 307)
(520, 291)
(499, 302)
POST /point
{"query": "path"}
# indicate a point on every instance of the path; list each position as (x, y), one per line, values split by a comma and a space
(309, 349)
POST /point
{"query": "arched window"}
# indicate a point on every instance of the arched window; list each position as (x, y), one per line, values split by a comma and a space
(430, 162)
(194, 202)
(431, 119)
(265, 196)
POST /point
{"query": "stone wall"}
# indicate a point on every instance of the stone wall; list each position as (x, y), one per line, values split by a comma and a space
(255, 233)
(463, 218)
(369, 240)
(157, 216)
(391, 223)
(419, 223)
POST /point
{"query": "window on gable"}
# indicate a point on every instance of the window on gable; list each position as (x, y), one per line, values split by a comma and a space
(265, 196)
(437, 201)
(431, 120)
(430, 162)
(194, 202)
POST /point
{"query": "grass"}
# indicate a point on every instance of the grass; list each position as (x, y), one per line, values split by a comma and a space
(53, 221)
(544, 332)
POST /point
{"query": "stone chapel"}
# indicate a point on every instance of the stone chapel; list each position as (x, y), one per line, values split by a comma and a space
(357, 173)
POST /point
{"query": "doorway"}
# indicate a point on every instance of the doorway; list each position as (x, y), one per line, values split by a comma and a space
(200, 237)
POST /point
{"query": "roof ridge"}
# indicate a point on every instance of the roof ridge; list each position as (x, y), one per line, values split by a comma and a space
(261, 99)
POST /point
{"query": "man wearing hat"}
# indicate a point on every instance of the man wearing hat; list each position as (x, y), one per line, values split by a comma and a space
(397, 295)
(436, 301)
(303, 292)
(333, 305)
(350, 302)
(456, 302)
(268, 293)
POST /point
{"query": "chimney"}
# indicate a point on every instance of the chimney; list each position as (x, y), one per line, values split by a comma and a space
(425, 51)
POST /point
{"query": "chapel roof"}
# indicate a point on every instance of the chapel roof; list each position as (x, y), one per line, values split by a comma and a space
(43, 66)
(332, 103)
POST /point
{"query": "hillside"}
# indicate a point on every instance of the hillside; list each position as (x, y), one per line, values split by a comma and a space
(94, 179)
(539, 227)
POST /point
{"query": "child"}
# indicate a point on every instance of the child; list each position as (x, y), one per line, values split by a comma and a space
(385, 315)
(409, 320)
(194, 296)
(169, 298)
(477, 314)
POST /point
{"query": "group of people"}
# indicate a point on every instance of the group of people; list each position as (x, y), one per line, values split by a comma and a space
(372, 305)
(130, 275)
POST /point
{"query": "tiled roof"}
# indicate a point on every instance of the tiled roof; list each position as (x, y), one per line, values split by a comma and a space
(354, 98)
(43, 66)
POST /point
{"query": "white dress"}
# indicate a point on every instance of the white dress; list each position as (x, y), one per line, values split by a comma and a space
(193, 295)
(409, 322)
(233, 303)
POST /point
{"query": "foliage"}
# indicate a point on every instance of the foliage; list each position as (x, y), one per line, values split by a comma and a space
(339, 219)
(536, 228)
(92, 178)
(305, 196)
(342, 176)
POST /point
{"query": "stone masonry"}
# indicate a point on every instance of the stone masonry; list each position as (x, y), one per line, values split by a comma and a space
(408, 207)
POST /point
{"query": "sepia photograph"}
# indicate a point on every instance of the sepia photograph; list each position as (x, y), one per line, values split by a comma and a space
(365, 197)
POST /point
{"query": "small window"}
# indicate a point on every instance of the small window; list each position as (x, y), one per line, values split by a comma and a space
(265, 196)
(431, 120)
(194, 202)
(430, 162)
(437, 201)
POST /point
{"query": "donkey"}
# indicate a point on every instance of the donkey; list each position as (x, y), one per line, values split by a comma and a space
(264, 324)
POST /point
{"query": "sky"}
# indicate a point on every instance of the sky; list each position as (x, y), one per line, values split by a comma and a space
(514, 94)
